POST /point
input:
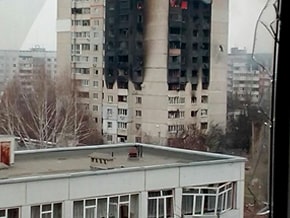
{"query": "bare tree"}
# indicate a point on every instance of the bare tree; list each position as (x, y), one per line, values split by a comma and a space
(47, 112)
(193, 138)
(8, 110)
(74, 121)
(190, 138)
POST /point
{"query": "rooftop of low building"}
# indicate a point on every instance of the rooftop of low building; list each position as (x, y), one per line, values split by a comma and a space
(80, 160)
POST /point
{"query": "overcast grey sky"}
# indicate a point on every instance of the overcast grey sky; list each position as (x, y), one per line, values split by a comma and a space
(26, 23)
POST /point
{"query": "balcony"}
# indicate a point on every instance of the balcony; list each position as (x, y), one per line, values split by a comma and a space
(174, 52)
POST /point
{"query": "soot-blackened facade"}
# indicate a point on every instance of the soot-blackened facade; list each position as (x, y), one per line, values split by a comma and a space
(124, 43)
(189, 29)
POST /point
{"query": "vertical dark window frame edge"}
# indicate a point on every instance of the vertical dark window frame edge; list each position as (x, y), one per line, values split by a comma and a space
(279, 201)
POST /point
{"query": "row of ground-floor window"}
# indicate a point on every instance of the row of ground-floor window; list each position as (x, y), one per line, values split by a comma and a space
(208, 200)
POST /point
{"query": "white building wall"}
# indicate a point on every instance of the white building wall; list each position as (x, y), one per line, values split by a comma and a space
(170, 178)
(50, 189)
(25, 212)
(112, 118)
(154, 88)
(143, 204)
(68, 208)
(47, 191)
(12, 195)
(178, 202)
(218, 63)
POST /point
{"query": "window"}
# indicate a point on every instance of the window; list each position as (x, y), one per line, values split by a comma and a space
(182, 100)
(138, 125)
(47, 211)
(205, 46)
(138, 113)
(122, 125)
(95, 83)
(77, 22)
(109, 112)
(109, 138)
(171, 100)
(95, 95)
(122, 111)
(9, 213)
(160, 204)
(208, 200)
(110, 98)
(110, 125)
(193, 99)
(81, 70)
(138, 100)
(204, 99)
(85, 22)
(107, 207)
(175, 114)
(195, 33)
(76, 48)
(122, 98)
(194, 113)
(96, 34)
(203, 112)
(85, 47)
(84, 82)
(203, 126)
(86, 10)
(83, 94)
(181, 114)
(175, 128)
(95, 107)
(194, 59)
(138, 139)
(76, 10)
(176, 100)
(206, 33)
(84, 208)
(205, 59)
(194, 46)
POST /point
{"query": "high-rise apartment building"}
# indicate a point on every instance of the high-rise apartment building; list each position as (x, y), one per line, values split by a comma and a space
(146, 68)
(249, 79)
(24, 64)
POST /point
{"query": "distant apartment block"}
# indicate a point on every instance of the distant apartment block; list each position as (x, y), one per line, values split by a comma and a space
(249, 76)
(24, 64)
(146, 69)
(128, 180)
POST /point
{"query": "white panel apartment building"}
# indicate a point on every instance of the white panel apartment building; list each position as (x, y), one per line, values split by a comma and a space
(146, 68)
(120, 181)
(23, 64)
(249, 80)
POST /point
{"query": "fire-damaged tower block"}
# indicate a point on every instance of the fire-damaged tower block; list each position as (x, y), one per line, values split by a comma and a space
(160, 65)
